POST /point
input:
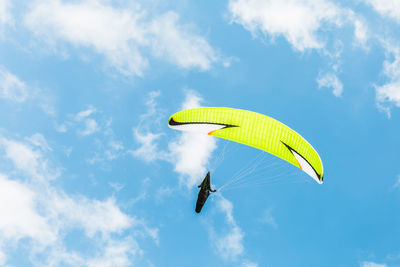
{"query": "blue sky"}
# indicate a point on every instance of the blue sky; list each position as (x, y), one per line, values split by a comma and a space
(90, 174)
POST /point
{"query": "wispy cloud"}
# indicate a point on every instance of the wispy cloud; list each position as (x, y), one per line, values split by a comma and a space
(178, 45)
(38, 140)
(36, 210)
(361, 33)
(94, 216)
(123, 35)
(230, 245)
(163, 192)
(228, 242)
(268, 218)
(19, 215)
(90, 122)
(249, 264)
(121, 253)
(84, 121)
(15, 90)
(116, 254)
(148, 150)
(11, 87)
(304, 25)
(389, 8)
(372, 264)
(5, 12)
(298, 21)
(397, 183)
(112, 32)
(148, 134)
(90, 125)
(189, 152)
(27, 160)
(389, 94)
(330, 80)
(305, 30)
(85, 113)
(227, 239)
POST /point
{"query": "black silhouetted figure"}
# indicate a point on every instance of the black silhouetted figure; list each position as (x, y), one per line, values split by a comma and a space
(205, 189)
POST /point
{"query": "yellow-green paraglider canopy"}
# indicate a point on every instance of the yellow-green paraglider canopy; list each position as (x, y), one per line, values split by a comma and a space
(252, 129)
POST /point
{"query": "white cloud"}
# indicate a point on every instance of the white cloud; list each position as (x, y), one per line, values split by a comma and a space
(107, 150)
(61, 128)
(19, 215)
(330, 80)
(163, 192)
(5, 12)
(304, 24)
(178, 45)
(116, 254)
(192, 100)
(361, 32)
(148, 150)
(249, 264)
(58, 255)
(14, 89)
(11, 87)
(230, 246)
(268, 218)
(299, 21)
(229, 243)
(38, 140)
(192, 151)
(189, 152)
(93, 216)
(397, 184)
(27, 160)
(38, 211)
(390, 8)
(372, 264)
(389, 94)
(122, 35)
(85, 113)
(111, 32)
(90, 122)
(90, 125)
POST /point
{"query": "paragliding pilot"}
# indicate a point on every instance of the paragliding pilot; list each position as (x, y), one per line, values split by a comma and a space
(205, 189)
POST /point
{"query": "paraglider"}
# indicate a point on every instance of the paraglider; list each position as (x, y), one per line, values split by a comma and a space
(252, 129)
(205, 189)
